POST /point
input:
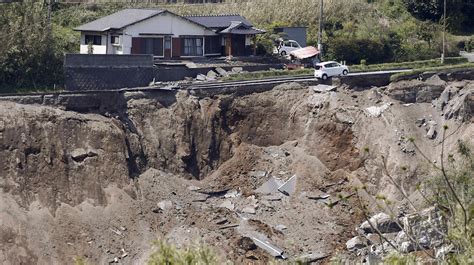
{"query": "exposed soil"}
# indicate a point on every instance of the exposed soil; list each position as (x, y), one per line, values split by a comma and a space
(88, 185)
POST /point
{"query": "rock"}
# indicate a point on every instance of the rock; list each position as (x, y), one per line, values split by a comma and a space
(312, 257)
(80, 154)
(232, 194)
(375, 111)
(249, 209)
(273, 197)
(193, 188)
(222, 72)
(424, 228)
(443, 251)
(356, 243)
(323, 88)
(407, 247)
(227, 204)
(435, 80)
(382, 222)
(221, 221)
(280, 227)
(461, 106)
(374, 239)
(165, 205)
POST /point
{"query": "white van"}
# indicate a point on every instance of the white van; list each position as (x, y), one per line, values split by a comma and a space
(285, 47)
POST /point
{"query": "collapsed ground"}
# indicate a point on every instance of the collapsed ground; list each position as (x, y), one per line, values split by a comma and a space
(103, 186)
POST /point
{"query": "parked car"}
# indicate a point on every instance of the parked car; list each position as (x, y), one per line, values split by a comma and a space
(285, 47)
(327, 69)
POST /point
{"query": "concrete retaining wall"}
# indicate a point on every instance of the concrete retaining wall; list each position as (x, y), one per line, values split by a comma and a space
(97, 72)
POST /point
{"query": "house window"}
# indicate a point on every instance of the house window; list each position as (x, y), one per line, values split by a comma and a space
(114, 39)
(94, 39)
(168, 42)
(192, 47)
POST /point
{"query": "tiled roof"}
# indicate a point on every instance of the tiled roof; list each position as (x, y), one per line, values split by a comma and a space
(119, 19)
(219, 21)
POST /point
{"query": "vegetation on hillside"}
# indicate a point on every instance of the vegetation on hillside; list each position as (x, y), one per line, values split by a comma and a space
(371, 31)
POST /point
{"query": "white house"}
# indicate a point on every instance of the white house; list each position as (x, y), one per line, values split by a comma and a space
(167, 35)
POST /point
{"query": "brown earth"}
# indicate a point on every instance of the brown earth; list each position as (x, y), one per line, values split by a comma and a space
(87, 185)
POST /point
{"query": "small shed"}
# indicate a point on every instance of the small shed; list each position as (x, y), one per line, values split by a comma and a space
(294, 33)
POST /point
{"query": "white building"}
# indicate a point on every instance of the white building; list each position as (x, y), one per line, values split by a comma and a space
(167, 35)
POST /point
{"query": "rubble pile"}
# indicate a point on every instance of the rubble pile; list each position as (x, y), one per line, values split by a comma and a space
(257, 176)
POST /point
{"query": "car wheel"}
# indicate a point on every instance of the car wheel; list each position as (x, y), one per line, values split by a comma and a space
(283, 53)
(325, 76)
(345, 72)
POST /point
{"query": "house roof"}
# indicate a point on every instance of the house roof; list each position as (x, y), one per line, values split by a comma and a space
(237, 27)
(219, 21)
(119, 19)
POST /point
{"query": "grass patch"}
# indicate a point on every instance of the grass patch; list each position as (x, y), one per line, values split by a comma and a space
(268, 74)
(431, 69)
(413, 64)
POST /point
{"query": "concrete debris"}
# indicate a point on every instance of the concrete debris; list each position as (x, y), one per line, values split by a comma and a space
(289, 187)
(270, 186)
(165, 205)
(237, 70)
(317, 195)
(201, 77)
(312, 257)
(280, 227)
(269, 248)
(212, 74)
(222, 72)
(432, 133)
(356, 243)
(375, 111)
(228, 204)
(322, 88)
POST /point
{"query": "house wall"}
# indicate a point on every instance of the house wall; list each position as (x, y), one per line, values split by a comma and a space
(161, 25)
(97, 49)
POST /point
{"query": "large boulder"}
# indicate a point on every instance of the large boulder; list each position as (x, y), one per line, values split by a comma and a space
(381, 222)
(356, 243)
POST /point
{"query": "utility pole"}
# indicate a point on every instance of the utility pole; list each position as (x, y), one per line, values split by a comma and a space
(444, 33)
(320, 33)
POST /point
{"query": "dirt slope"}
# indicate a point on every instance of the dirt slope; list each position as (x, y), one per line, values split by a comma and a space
(88, 185)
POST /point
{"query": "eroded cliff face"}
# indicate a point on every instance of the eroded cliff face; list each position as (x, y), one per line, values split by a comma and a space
(84, 184)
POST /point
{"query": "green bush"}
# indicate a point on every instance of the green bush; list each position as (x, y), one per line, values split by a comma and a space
(469, 46)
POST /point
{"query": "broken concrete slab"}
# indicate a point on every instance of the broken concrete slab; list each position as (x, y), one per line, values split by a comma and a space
(289, 187)
(258, 174)
(269, 248)
(201, 77)
(193, 188)
(212, 74)
(431, 134)
(222, 72)
(323, 88)
(270, 186)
